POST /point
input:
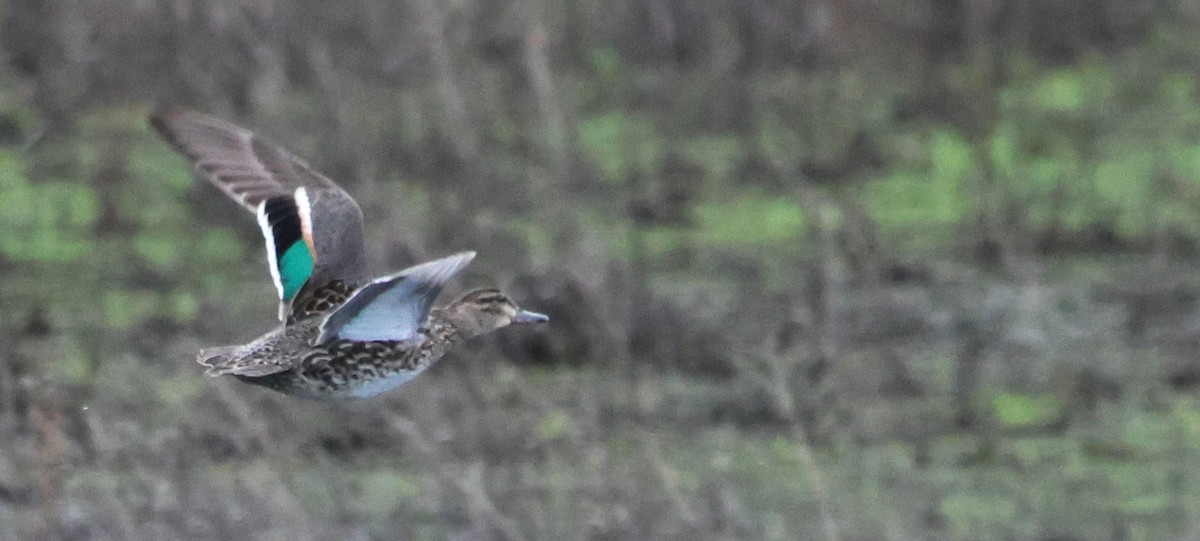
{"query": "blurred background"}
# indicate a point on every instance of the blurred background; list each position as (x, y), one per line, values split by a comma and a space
(816, 269)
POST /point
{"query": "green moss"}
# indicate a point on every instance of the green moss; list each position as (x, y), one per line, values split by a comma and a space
(781, 144)
(45, 221)
(606, 62)
(219, 245)
(536, 236)
(178, 392)
(159, 252)
(935, 196)
(75, 362)
(978, 516)
(1061, 91)
(102, 123)
(182, 306)
(125, 308)
(381, 491)
(315, 488)
(553, 425)
(1026, 410)
(718, 156)
(751, 218)
(151, 161)
(620, 144)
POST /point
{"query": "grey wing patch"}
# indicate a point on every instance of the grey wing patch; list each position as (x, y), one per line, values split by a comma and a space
(394, 307)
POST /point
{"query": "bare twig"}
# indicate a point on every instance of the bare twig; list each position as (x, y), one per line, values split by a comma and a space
(470, 481)
(8, 394)
(813, 203)
(817, 482)
(454, 110)
(276, 485)
(670, 481)
(554, 125)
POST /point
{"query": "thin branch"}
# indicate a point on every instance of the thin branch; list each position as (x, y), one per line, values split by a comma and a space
(454, 110)
(470, 481)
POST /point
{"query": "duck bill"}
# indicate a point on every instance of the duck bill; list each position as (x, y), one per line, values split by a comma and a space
(525, 316)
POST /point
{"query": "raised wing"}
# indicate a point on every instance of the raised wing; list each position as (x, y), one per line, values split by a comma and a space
(394, 307)
(313, 228)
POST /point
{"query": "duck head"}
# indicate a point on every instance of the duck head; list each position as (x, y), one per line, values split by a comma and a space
(485, 310)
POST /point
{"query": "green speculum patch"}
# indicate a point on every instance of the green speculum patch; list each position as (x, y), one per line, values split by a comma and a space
(295, 266)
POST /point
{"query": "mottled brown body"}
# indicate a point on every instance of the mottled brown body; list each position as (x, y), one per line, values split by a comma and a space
(344, 368)
(320, 300)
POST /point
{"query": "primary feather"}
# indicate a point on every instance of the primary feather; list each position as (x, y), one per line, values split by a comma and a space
(312, 228)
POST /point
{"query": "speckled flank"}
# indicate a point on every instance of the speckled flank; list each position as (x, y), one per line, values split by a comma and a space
(294, 360)
(345, 369)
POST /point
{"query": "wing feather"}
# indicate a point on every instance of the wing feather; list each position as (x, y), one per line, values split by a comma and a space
(393, 308)
(252, 171)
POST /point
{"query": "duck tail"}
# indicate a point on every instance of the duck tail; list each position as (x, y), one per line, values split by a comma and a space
(217, 359)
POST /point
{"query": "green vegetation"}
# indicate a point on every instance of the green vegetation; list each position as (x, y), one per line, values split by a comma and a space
(807, 281)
